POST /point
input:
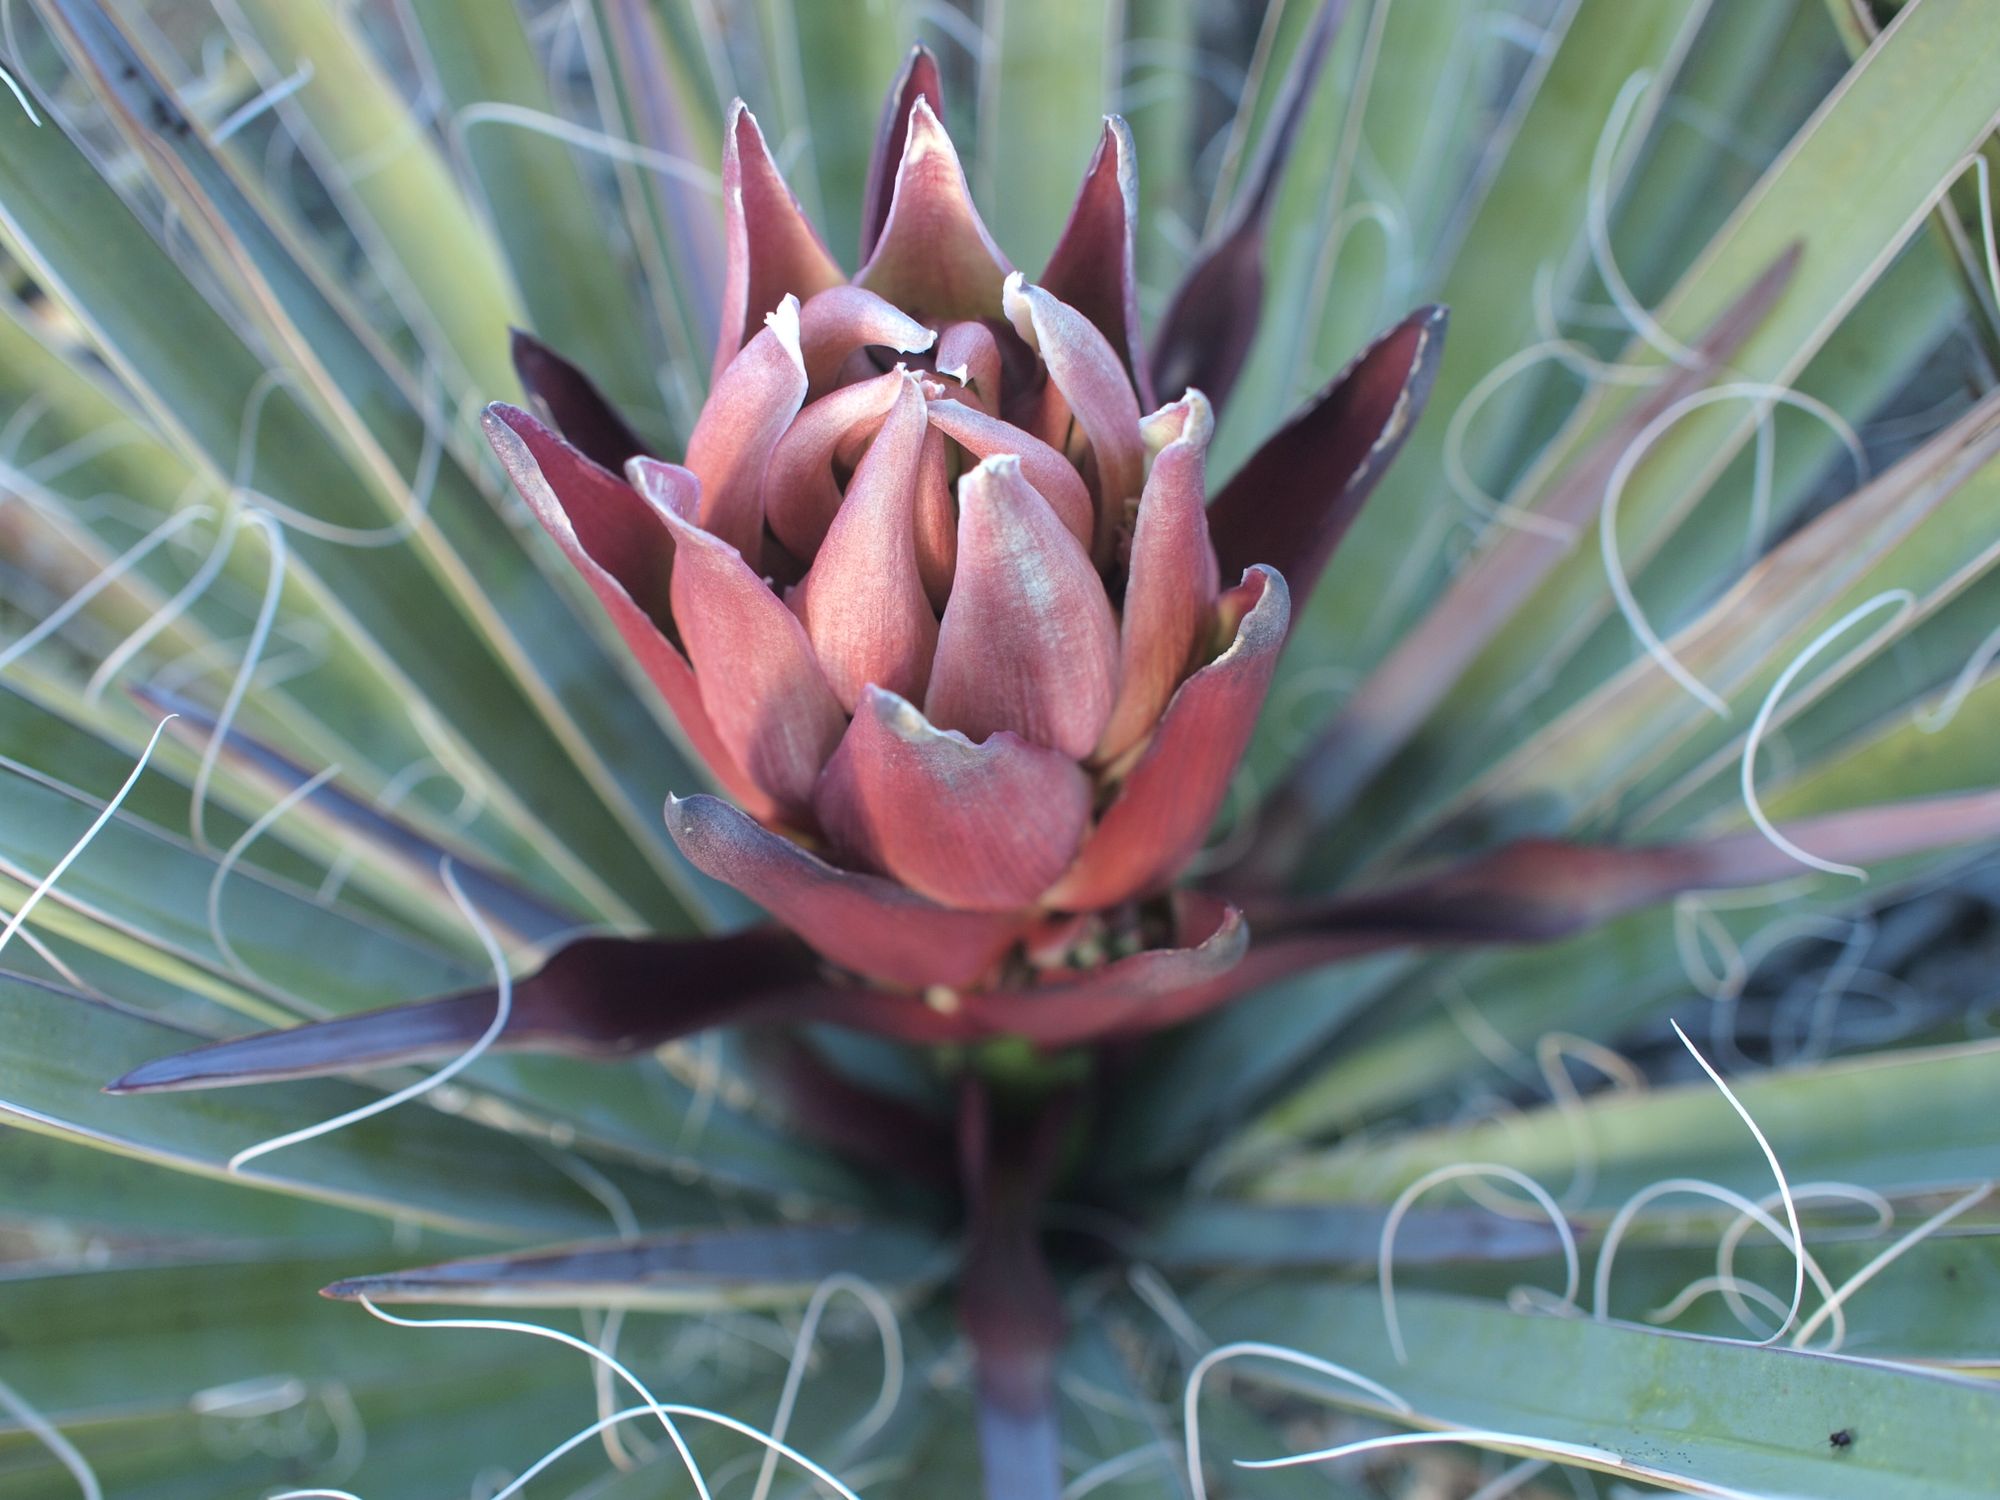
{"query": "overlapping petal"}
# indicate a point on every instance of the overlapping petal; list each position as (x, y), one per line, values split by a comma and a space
(1028, 643)
(918, 80)
(1052, 475)
(760, 681)
(752, 405)
(862, 601)
(1085, 369)
(1171, 580)
(861, 922)
(801, 494)
(624, 550)
(1174, 792)
(986, 826)
(934, 257)
(841, 321)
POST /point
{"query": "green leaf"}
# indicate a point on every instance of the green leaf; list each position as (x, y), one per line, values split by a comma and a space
(1851, 186)
(1701, 1415)
(1895, 1121)
(542, 208)
(1046, 72)
(394, 184)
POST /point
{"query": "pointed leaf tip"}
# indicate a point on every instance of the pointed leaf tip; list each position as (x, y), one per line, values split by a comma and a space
(1293, 500)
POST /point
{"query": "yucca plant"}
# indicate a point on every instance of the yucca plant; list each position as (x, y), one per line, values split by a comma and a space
(435, 435)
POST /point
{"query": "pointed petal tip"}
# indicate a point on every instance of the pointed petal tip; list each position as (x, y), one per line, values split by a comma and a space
(1189, 420)
(783, 321)
(1014, 306)
(500, 411)
(993, 466)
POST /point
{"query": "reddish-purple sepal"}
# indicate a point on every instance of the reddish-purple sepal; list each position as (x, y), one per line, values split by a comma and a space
(607, 998)
(1092, 267)
(1172, 794)
(621, 545)
(598, 997)
(1028, 642)
(567, 399)
(985, 827)
(918, 80)
(1172, 579)
(861, 922)
(1537, 890)
(862, 602)
(1211, 321)
(1292, 502)
(759, 679)
(934, 257)
(748, 411)
(771, 246)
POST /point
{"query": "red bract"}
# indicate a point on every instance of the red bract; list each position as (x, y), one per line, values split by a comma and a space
(930, 594)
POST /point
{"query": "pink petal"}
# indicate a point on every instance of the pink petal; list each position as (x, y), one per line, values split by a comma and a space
(1172, 795)
(934, 258)
(918, 80)
(937, 520)
(986, 827)
(968, 353)
(1085, 369)
(861, 922)
(1052, 475)
(759, 679)
(1028, 642)
(772, 248)
(841, 320)
(863, 601)
(801, 495)
(1172, 579)
(746, 413)
(625, 552)
(1092, 268)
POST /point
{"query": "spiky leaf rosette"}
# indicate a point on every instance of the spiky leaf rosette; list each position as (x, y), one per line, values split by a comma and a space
(1042, 1134)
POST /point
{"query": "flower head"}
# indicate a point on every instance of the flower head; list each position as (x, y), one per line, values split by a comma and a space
(931, 595)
